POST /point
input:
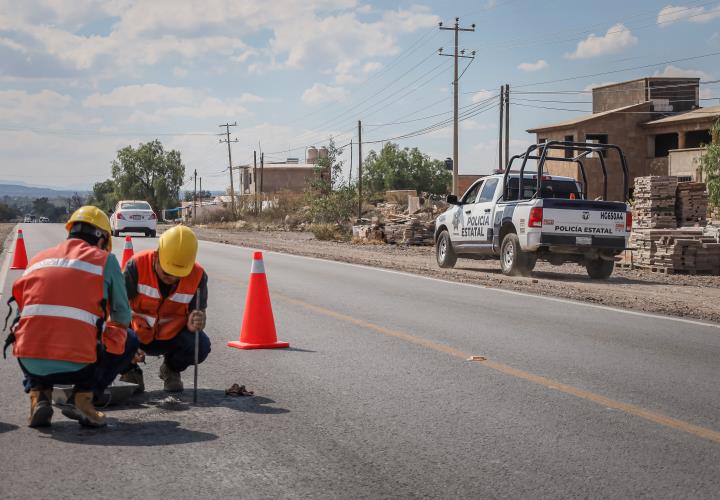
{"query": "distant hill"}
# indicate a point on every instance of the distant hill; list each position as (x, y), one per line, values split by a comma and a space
(18, 190)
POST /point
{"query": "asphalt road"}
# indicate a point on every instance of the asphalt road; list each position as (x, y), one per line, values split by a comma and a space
(376, 398)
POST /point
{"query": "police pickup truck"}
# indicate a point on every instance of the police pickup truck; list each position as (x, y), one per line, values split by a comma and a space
(520, 217)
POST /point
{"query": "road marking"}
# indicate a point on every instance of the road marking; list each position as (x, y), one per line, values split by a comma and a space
(637, 411)
(484, 287)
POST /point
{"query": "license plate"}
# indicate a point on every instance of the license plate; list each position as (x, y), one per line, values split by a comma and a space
(583, 240)
(136, 217)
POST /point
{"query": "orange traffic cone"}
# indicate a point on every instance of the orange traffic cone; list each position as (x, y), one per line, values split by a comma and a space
(20, 260)
(127, 252)
(258, 326)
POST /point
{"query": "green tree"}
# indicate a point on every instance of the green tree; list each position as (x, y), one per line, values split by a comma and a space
(329, 198)
(149, 173)
(7, 213)
(104, 196)
(710, 164)
(204, 194)
(396, 168)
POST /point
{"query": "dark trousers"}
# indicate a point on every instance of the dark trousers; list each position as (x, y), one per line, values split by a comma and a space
(94, 377)
(179, 351)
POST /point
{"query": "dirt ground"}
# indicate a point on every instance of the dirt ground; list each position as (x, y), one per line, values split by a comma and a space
(5, 229)
(677, 295)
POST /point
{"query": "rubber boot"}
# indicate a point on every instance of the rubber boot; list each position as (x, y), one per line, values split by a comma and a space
(173, 382)
(134, 376)
(83, 411)
(41, 410)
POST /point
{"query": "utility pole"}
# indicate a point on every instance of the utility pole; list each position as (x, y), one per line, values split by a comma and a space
(457, 54)
(351, 155)
(507, 123)
(262, 170)
(255, 179)
(228, 141)
(359, 169)
(195, 197)
(501, 164)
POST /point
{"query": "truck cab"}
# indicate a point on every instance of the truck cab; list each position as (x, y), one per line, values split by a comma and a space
(522, 216)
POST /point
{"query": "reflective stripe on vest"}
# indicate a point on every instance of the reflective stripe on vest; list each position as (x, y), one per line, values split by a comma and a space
(59, 312)
(67, 264)
(183, 298)
(150, 320)
(149, 291)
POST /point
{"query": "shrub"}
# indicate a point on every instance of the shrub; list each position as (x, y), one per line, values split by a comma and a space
(325, 231)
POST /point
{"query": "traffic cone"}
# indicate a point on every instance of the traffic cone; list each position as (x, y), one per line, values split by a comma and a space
(127, 252)
(20, 260)
(258, 326)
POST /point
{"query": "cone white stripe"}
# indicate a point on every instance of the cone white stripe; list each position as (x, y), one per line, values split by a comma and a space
(258, 267)
(59, 312)
(67, 264)
(148, 291)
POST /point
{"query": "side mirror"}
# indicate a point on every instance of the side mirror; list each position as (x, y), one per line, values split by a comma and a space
(452, 199)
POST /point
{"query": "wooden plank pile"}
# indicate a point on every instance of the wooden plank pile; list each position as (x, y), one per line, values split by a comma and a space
(401, 228)
(654, 202)
(683, 250)
(692, 204)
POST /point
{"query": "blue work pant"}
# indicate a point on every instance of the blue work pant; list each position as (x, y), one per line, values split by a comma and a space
(94, 377)
(179, 351)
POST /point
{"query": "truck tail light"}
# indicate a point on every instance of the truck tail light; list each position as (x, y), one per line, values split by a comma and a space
(536, 216)
(120, 216)
(628, 221)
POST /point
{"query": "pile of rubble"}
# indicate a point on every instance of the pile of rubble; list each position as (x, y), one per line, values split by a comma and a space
(663, 204)
(399, 226)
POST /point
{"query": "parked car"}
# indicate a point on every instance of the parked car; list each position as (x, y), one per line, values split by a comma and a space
(521, 216)
(133, 216)
(44, 219)
(29, 219)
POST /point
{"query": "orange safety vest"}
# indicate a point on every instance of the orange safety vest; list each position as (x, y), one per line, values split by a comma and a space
(60, 298)
(155, 317)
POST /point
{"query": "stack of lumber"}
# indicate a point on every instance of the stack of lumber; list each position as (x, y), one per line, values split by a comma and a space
(685, 250)
(692, 203)
(654, 202)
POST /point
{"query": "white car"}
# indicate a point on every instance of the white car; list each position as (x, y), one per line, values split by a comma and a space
(133, 216)
(44, 219)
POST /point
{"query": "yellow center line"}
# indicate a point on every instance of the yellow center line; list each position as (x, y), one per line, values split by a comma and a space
(628, 408)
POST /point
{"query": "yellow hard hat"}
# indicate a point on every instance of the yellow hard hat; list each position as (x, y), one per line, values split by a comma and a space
(92, 215)
(177, 249)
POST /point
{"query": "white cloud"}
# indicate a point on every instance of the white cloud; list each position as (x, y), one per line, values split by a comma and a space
(323, 93)
(372, 67)
(671, 14)
(674, 71)
(536, 66)
(616, 38)
(482, 95)
(134, 95)
(180, 72)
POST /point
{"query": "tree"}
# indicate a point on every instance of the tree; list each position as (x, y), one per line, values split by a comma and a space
(396, 168)
(201, 195)
(710, 164)
(74, 202)
(149, 173)
(329, 198)
(7, 213)
(104, 196)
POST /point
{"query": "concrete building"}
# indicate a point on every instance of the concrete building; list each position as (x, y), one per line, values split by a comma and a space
(656, 121)
(288, 175)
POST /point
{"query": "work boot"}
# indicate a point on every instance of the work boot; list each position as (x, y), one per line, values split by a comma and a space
(83, 411)
(173, 382)
(134, 376)
(41, 410)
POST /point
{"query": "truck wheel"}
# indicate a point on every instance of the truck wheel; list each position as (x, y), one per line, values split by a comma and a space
(513, 261)
(599, 269)
(444, 252)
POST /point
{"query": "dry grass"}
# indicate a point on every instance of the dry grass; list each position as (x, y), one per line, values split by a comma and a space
(5, 229)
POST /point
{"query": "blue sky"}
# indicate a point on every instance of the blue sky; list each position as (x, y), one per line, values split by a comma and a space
(80, 79)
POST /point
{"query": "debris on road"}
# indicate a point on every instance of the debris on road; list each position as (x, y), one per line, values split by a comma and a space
(477, 358)
(238, 390)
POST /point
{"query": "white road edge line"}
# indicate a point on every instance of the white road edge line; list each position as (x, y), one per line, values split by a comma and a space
(10, 241)
(483, 287)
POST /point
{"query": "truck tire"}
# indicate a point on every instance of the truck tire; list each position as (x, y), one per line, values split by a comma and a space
(444, 252)
(513, 261)
(599, 269)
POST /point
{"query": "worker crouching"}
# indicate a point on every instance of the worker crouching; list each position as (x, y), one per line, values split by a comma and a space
(168, 296)
(72, 321)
